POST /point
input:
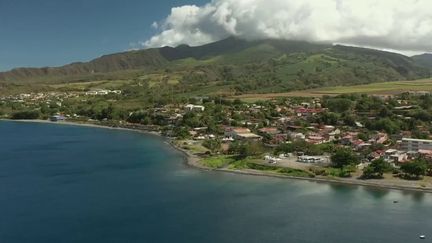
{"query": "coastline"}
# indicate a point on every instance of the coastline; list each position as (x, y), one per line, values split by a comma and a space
(84, 124)
(193, 160)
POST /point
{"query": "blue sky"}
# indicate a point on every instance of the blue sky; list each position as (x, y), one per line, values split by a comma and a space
(40, 33)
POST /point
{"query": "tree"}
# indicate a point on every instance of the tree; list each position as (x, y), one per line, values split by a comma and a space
(244, 150)
(139, 117)
(429, 169)
(363, 136)
(181, 132)
(191, 119)
(388, 125)
(415, 169)
(213, 145)
(422, 115)
(23, 115)
(330, 118)
(338, 105)
(376, 169)
(344, 157)
(106, 113)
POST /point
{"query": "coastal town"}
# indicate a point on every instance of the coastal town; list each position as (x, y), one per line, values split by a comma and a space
(215, 121)
(349, 136)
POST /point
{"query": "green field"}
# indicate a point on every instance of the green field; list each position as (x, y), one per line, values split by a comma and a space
(385, 88)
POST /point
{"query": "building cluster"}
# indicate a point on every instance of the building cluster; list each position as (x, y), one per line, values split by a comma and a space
(37, 98)
(54, 95)
(270, 123)
(290, 123)
(103, 92)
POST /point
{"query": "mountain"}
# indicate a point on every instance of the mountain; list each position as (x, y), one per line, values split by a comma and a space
(239, 65)
(105, 64)
(424, 60)
(155, 58)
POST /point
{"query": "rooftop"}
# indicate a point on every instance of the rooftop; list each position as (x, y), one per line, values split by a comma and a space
(416, 140)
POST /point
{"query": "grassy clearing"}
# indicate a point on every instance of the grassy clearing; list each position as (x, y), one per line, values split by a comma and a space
(218, 161)
(81, 86)
(280, 170)
(382, 88)
(194, 147)
(253, 164)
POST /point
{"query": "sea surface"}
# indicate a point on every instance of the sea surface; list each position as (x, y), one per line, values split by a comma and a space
(63, 183)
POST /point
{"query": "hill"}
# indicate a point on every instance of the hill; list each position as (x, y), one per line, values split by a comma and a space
(236, 66)
(424, 60)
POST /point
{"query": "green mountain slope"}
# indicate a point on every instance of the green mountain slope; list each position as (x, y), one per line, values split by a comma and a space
(237, 66)
(424, 60)
(110, 63)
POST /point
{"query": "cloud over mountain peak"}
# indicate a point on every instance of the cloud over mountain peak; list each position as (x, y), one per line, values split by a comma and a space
(404, 25)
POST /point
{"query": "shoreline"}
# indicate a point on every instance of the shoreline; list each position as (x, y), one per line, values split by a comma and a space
(84, 124)
(192, 160)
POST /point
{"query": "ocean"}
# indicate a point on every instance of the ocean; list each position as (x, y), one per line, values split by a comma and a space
(63, 183)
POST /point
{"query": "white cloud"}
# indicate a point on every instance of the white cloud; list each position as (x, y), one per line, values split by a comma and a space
(403, 25)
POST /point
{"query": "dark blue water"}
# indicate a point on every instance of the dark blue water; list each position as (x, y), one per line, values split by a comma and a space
(75, 184)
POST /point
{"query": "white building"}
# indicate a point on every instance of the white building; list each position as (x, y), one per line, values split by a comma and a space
(395, 156)
(195, 108)
(314, 159)
(411, 144)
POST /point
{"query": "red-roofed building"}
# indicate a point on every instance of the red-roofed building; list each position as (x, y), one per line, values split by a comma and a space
(307, 111)
(241, 133)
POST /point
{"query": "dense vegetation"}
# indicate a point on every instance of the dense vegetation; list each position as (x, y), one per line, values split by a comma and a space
(25, 115)
(424, 60)
(234, 66)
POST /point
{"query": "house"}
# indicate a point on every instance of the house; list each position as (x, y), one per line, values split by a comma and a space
(349, 138)
(404, 108)
(234, 131)
(297, 136)
(173, 119)
(241, 133)
(381, 138)
(271, 131)
(333, 134)
(426, 154)
(376, 155)
(248, 137)
(395, 156)
(195, 108)
(314, 159)
(316, 139)
(98, 92)
(360, 145)
(359, 124)
(116, 92)
(279, 138)
(293, 128)
(306, 112)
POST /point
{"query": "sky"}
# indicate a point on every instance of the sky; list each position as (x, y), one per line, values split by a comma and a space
(37, 33)
(55, 32)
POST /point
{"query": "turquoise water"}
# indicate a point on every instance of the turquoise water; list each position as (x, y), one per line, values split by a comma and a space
(76, 184)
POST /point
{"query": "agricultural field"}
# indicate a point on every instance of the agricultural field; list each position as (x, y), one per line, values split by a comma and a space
(83, 86)
(385, 88)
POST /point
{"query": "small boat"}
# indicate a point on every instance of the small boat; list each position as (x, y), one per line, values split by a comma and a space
(395, 201)
(422, 237)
